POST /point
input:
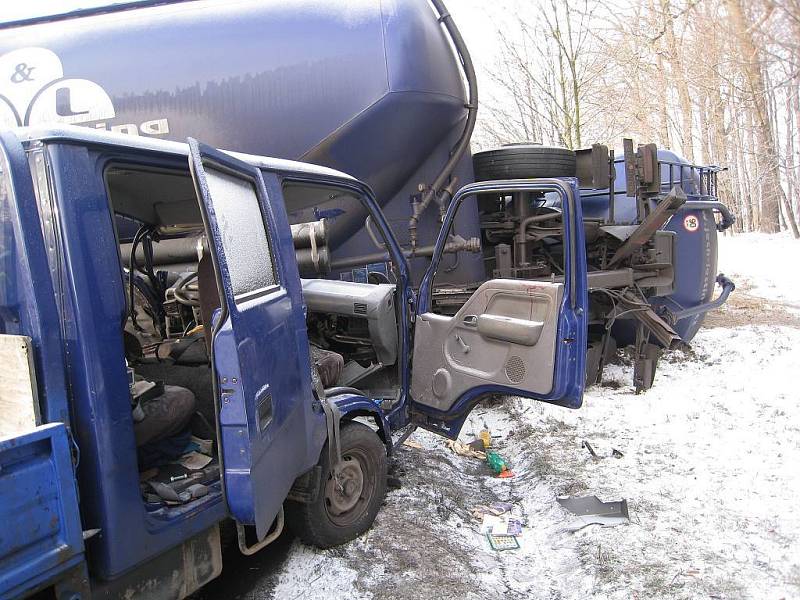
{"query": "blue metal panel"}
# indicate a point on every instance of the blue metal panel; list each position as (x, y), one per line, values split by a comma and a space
(41, 535)
(353, 405)
(27, 300)
(369, 87)
(265, 393)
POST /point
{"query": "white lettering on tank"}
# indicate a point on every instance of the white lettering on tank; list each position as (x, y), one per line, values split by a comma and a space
(129, 128)
(155, 127)
(34, 91)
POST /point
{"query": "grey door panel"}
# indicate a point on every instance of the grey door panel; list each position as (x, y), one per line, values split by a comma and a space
(505, 334)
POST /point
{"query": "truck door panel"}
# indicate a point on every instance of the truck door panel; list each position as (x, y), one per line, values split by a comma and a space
(258, 335)
(512, 336)
(504, 334)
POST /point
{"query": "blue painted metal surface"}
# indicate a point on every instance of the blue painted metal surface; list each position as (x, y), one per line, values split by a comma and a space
(41, 535)
(94, 357)
(368, 87)
(260, 352)
(92, 315)
(27, 300)
(353, 405)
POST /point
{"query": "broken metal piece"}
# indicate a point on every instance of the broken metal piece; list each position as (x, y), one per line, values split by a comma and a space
(592, 511)
(651, 223)
(588, 446)
(647, 317)
(644, 367)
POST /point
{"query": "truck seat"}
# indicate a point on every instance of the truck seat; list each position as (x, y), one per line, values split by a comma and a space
(329, 365)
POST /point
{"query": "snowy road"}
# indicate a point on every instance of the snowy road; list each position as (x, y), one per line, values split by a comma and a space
(710, 468)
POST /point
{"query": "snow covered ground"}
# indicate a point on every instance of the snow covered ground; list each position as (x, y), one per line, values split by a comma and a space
(710, 467)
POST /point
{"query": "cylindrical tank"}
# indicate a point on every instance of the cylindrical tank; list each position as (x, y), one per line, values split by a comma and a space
(369, 87)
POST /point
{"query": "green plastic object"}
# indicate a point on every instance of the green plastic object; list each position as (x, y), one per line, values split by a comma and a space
(496, 462)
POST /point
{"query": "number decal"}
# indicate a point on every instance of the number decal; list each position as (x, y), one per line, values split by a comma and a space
(691, 223)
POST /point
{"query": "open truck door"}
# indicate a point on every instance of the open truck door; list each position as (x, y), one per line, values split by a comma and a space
(258, 338)
(512, 336)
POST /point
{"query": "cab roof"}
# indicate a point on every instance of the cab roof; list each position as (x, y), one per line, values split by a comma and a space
(94, 137)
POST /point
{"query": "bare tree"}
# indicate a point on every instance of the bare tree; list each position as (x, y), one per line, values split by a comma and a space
(716, 80)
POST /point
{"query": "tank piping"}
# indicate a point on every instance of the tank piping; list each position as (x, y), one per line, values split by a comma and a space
(437, 189)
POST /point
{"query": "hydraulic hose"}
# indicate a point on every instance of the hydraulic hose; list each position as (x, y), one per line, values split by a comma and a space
(438, 188)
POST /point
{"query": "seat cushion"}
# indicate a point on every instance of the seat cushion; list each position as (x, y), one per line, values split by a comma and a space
(329, 365)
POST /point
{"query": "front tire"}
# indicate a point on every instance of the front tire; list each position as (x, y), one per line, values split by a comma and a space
(344, 508)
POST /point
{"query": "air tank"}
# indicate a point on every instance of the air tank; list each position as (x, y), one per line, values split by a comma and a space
(369, 87)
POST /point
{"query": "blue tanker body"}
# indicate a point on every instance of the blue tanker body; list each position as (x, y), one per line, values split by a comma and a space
(370, 88)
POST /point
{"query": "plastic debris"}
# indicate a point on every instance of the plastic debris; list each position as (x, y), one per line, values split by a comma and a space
(502, 542)
(505, 524)
(593, 511)
(485, 436)
(495, 508)
(464, 450)
(498, 464)
(477, 445)
(412, 444)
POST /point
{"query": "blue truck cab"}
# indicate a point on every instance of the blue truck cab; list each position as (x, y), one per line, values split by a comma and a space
(154, 394)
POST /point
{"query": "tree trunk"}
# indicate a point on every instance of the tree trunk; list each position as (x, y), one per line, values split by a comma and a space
(764, 138)
(675, 52)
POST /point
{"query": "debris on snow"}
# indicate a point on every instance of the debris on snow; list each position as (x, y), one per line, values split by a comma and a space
(593, 511)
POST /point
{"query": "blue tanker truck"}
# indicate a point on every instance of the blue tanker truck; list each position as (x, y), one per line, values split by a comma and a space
(196, 339)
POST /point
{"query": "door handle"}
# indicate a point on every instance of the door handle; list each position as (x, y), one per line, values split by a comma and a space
(470, 320)
(464, 346)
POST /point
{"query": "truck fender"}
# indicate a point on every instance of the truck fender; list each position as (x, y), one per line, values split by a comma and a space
(351, 406)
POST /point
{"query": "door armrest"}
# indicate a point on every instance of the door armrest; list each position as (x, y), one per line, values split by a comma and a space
(509, 329)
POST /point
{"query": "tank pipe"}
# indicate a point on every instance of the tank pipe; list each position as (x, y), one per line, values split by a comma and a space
(523, 226)
(727, 287)
(462, 144)
(457, 245)
(727, 218)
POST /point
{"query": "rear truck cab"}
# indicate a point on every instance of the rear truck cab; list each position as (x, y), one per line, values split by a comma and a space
(180, 366)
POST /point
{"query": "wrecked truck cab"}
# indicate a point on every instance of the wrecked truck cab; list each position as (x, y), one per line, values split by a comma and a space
(179, 374)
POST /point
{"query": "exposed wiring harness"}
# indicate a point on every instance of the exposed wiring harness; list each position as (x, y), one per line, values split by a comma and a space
(144, 236)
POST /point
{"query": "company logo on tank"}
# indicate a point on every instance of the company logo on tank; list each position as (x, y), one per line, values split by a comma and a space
(34, 91)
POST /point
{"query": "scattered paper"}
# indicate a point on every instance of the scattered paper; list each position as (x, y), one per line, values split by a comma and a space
(194, 461)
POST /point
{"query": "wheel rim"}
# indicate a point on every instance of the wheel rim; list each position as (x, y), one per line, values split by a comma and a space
(347, 496)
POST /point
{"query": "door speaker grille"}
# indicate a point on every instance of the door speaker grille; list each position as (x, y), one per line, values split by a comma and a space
(515, 369)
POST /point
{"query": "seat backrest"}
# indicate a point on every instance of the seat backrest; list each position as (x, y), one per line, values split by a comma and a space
(209, 294)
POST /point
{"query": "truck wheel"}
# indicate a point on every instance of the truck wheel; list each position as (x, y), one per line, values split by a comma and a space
(346, 508)
(523, 161)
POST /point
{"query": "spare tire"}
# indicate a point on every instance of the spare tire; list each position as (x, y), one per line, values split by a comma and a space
(523, 161)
